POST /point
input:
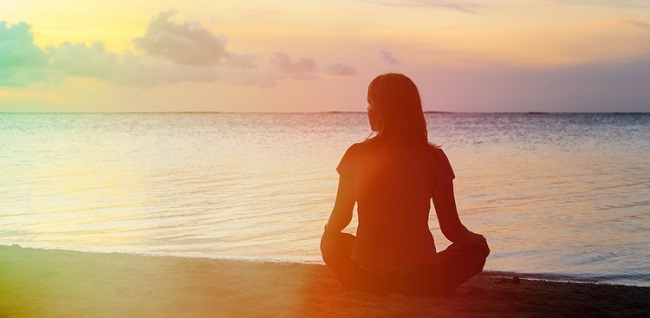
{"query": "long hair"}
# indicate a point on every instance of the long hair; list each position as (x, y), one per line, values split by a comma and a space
(399, 110)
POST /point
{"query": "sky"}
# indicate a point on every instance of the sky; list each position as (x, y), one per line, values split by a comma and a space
(313, 56)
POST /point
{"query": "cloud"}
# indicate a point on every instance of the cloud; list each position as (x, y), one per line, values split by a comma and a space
(21, 61)
(341, 69)
(141, 71)
(81, 60)
(17, 47)
(639, 24)
(302, 68)
(187, 43)
(168, 52)
(388, 58)
(187, 52)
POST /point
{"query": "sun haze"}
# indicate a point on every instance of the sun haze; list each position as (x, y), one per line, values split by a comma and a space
(297, 56)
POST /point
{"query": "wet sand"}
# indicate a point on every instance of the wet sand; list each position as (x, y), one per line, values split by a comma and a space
(56, 283)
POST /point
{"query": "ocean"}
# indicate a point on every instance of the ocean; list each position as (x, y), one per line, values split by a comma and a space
(557, 194)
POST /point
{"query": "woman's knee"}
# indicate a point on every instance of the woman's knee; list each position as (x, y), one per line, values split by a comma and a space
(336, 245)
(460, 263)
(336, 249)
(336, 241)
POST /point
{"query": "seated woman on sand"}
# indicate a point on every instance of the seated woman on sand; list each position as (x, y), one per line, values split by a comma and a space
(392, 177)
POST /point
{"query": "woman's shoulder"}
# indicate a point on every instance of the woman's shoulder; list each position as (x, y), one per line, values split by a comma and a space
(370, 145)
(441, 161)
(355, 150)
(438, 152)
(367, 144)
(357, 146)
(435, 149)
(431, 150)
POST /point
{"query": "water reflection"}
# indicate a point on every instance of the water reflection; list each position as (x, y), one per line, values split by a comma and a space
(561, 193)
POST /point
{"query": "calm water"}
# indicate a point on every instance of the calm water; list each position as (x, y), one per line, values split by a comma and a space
(553, 193)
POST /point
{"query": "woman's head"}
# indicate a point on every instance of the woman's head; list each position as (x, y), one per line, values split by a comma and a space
(395, 109)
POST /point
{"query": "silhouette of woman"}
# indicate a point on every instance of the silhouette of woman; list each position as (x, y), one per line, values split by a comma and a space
(392, 177)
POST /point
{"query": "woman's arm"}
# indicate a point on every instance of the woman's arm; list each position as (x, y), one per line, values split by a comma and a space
(343, 207)
(450, 224)
(445, 204)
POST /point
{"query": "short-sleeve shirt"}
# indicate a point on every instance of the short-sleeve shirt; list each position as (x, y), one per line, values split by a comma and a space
(393, 191)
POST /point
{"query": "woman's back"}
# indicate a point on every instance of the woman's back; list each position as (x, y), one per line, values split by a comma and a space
(393, 188)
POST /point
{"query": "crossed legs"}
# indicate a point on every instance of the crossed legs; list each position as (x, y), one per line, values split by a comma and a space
(457, 265)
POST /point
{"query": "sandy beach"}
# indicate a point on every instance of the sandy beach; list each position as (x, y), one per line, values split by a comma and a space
(57, 283)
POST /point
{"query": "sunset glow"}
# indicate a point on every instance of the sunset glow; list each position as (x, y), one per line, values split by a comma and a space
(297, 56)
